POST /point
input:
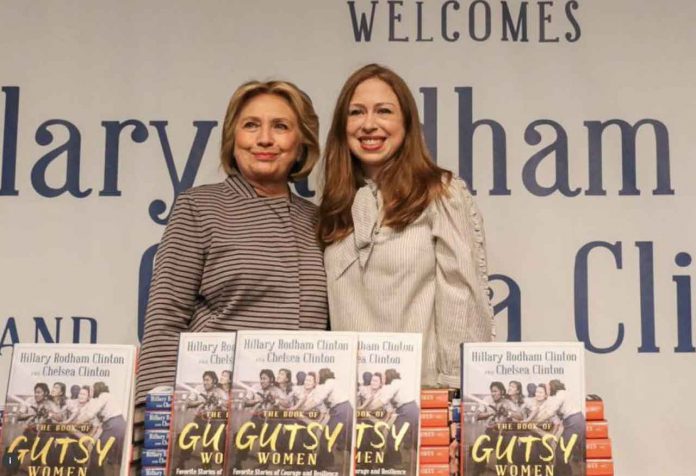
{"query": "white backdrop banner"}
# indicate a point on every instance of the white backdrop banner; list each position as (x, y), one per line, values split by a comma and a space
(573, 121)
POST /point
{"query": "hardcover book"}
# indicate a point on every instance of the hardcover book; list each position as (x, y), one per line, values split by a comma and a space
(201, 403)
(293, 404)
(69, 410)
(388, 399)
(525, 402)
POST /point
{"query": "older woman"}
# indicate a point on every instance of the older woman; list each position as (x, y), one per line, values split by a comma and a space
(241, 254)
(404, 239)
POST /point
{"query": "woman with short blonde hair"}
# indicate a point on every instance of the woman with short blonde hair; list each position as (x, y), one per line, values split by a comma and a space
(241, 254)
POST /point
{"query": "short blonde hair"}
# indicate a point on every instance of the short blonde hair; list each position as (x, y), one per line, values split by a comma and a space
(301, 105)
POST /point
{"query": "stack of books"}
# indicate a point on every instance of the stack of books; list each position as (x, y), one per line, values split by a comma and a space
(440, 428)
(157, 422)
(599, 457)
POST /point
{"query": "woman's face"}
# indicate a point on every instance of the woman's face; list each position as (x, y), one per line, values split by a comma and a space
(267, 140)
(376, 382)
(265, 381)
(540, 394)
(375, 126)
(39, 394)
(513, 389)
(282, 377)
(83, 396)
(224, 378)
(56, 391)
(309, 382)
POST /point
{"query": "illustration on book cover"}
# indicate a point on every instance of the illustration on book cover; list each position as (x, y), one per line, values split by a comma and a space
(388, 399)
(201, 403)
(67, 409)
(523, 409)
(293, 403)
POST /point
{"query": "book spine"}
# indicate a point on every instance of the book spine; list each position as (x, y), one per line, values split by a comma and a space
(158, 401)
(600, 468)
(156, 439)
(599, 449)
(594, 410)
(160, 420)
(434, 417)
(597, 429)
(433, 469)
(437, 397)
(144, 471)
(434, 454)
(154, 457)
(435, 437)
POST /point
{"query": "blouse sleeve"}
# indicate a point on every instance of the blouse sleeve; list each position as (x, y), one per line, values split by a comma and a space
(463, 312)
(174, 292)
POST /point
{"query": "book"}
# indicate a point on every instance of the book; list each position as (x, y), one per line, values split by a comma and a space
(200, 404)
(434, 417)
(600, 467)
(69, 409)
(293, 404)
(434, 454)
(431, 469)
(528, 417)
(438, 397)
(388, 402)
(594, 410)
(435, 436)
(597, 429)
(599, 449)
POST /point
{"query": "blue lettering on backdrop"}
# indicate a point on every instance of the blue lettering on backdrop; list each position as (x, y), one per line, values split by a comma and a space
(147, 263)
(582, 283)
(646, 296)
(200, 141)
(512, 304)
(467, 126)
(518, 31)
(9, 141)
(111, 149)
(71, 149)
(10, 334)
(684, 316)
(481, 16)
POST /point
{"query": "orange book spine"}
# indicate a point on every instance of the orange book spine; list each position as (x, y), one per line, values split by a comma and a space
(433, 417)
(434, 454)
(435, 398)
(599, 449)
(602, 467)
(435, 436)
(594, 410)
(432, 469)
(597, 429)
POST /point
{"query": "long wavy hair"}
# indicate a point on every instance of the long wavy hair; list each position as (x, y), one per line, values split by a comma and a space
(409, 181)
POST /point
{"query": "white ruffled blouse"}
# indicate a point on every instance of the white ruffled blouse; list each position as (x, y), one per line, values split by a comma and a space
(429, 278)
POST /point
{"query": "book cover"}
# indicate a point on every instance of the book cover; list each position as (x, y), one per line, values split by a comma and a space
(69, 410)
(293, 404)
(388, 399)
(528, 413)
(200, 404)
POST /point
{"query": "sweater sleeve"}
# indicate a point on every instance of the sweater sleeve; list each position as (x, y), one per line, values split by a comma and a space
(462, 307)
(174, 293)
